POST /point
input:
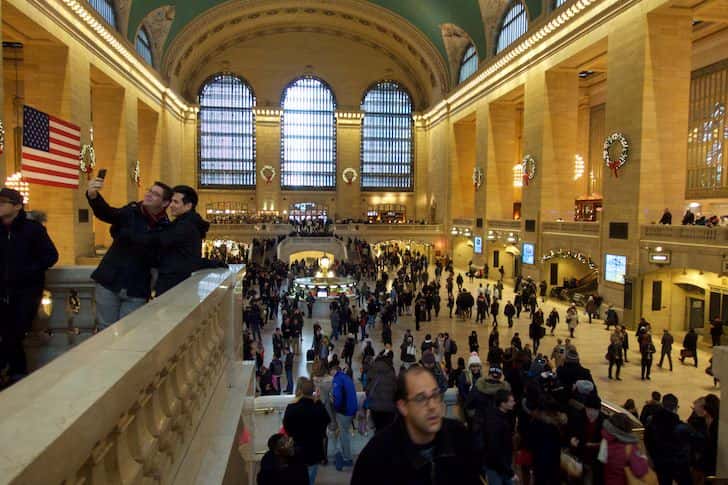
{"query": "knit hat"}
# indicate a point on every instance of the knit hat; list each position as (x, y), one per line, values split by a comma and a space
(584, 387)
(11, 195)
(495, 372)
(474, 359)
(428, 358)
(572, 356)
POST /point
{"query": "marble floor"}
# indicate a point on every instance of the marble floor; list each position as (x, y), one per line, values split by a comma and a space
(685, 381)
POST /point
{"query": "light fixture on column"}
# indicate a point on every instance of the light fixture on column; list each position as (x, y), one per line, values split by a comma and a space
(578, 166)
(518, 175)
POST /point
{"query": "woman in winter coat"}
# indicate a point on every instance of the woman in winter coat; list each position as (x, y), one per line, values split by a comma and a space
(473, 342)
(572, 319)
(619, 449)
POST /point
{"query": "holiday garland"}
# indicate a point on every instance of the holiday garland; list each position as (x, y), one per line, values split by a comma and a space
(349, 175)
(268, 173)
(528, 166)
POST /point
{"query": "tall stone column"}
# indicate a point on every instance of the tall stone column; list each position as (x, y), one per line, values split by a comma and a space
(648, 101)
(57, 81)
(268, 152)
(559, 145)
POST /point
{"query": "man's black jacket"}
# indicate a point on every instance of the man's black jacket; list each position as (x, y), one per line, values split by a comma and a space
(126, 264)
(26, 252)
(179, 246)
(390, 458)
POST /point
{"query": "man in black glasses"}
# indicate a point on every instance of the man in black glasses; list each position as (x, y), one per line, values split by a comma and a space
(421, 446)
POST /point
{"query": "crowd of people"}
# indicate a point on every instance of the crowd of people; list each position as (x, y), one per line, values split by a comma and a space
(692, 219)
(527, 414)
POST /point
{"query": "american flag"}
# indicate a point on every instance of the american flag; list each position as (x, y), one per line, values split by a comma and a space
(50, 150)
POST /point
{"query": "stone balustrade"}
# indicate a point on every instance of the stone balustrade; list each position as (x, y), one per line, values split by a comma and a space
(503, 225)
(583, 229)
(685, 234)
(129, 404)
(360, 230)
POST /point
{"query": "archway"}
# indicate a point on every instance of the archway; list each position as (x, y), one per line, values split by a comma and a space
(570, 274)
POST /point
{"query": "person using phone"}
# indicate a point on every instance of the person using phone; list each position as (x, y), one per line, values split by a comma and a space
(123, 281)
(179, 244)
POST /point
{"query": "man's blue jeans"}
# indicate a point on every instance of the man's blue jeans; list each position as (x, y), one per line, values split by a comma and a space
(343, 442)
(112, 307)
(312, 471)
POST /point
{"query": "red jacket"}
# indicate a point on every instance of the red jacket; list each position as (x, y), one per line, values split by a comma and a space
(617, 459)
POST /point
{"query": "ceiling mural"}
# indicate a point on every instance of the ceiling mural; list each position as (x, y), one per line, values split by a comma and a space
(426, 15)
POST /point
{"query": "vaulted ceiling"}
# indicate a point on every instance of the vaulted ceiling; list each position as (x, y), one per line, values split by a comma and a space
(426, 15)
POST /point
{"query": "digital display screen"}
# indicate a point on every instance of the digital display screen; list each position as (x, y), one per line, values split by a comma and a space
(615, 267)
(478, 245)
(322, 293)
(527, 253)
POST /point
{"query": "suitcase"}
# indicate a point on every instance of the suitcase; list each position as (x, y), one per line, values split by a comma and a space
(310, 355)
(686, 354)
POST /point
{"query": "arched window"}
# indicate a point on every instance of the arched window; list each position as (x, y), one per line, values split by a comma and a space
(227, 133)
(143, 45)
(468, 64)
(386, 138)
(105, 8)
(514, 25)
(308, 136)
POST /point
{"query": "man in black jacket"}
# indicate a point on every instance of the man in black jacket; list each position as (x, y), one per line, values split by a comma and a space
(669, 442)
(305, 421)
(26, 252)
(499, 439)
(421, 446)
(179, 244)
(123, 279)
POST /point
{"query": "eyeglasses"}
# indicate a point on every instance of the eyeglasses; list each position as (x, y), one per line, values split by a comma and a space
(423, 400)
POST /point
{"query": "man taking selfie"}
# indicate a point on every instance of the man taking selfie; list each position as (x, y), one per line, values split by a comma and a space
(123, 278)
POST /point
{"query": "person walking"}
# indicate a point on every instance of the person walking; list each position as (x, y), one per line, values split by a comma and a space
(509, 311)
(614, 356)
(305, 420)
(499, 439)
(380, 389)
(647, 350)
(345, 406)
(690, 347)
(716, 331)
(481, 306)
(288, 366)
(572, 319)
(611, 317)
(669, 443)
(666, 348)
(494, 311)
(620, 450)
(26, 252)
(553, 320)
(281, 463)
(123, 278)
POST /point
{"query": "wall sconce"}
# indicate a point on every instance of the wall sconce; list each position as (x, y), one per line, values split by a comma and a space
(518, 175)
(578, 166)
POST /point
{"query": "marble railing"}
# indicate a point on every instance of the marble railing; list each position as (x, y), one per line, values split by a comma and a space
(139, 402)
(685, 234)
(263, 230)
(586, 229)
(503, 225)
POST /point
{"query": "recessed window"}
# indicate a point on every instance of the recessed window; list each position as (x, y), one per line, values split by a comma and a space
(468, 64)
(105, 8)
(144, 46)
(308, 136)
(387, 142)
(513, 26)
(227, 133)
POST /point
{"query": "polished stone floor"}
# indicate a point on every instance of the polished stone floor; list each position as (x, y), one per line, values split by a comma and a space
(685, 381)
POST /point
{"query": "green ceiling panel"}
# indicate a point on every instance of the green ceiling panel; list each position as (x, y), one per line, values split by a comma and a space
(426, 15)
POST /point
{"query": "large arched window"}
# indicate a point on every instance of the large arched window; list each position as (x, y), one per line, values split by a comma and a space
(227, 133)
(105, 8)
(468, 64)
(386, 138)
(513, 25)
(308, 136)
(144, 45)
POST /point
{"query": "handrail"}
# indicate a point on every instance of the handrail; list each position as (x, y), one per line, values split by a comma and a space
(122, 406)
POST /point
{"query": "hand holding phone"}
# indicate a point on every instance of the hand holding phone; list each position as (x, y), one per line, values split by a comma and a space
(102, 174)
(96, 184)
